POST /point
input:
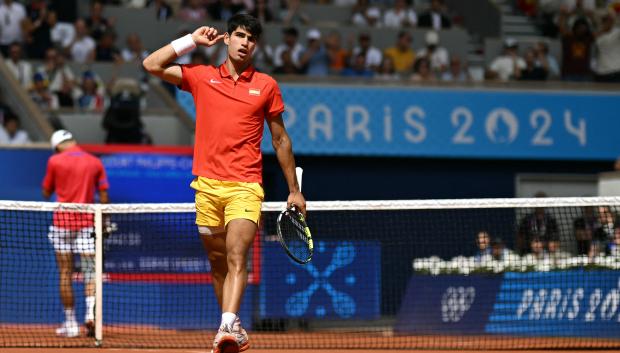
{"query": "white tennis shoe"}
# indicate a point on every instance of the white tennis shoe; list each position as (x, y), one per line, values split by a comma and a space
(68, 329)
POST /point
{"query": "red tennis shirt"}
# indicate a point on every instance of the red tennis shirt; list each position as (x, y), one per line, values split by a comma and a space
(230, 120)
(74, 175)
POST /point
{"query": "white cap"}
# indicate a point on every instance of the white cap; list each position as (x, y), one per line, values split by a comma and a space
(432, 38)
(59, 137)
(313, 34)
(373, 12)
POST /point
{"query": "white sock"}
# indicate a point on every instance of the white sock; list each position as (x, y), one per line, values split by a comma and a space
(70, 315)
(228, 319)
(90, 308)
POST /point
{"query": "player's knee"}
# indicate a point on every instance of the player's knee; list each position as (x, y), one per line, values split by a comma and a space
(236, 262)
(87, 264)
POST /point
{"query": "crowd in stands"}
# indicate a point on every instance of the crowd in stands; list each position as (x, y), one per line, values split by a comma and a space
(588, 33)
(539, 245)
(39, 38)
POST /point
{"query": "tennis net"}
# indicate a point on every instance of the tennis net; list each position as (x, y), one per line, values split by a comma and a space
(452, 274)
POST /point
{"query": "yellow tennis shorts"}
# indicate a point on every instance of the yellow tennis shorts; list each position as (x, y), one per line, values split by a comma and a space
(218, 202)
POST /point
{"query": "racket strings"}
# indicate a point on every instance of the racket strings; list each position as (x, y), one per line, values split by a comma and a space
(295, 237)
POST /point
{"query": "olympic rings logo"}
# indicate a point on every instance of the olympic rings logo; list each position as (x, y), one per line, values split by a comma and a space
(455, 302)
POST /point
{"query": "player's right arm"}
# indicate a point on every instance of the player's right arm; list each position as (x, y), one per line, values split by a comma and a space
(161, 62)
(47, 187)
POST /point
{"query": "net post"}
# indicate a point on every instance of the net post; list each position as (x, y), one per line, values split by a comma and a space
(98, 275)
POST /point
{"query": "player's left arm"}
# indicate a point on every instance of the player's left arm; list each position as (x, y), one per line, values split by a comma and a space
(284, 152)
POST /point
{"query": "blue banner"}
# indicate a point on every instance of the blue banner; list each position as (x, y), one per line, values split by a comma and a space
(447, 304)
(570, 303)
(472, 123)
(575, 303)
(343, 281)
(149, 177)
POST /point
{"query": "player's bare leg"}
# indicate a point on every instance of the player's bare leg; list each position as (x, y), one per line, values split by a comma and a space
(87, 262)
(215, 245)
(70, 327)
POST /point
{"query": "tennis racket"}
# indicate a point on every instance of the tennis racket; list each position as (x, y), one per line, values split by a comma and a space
(293, 232)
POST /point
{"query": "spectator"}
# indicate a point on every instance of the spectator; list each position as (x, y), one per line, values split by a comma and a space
(483, 242)
(605, 232)
(65, 9)
(576, 50)
(96, 23)
(38, 37)
(401, 54)
(436, 17)
(198, 57)
(41, 94)
(292, 14)
(614, 246)
(289, 62)
(83, 47)
(91, 93)
(263, 56)
(608, 50)
(11, 133)
(163, 11)
(437, 55)
(387, 71)
(508, 65)
(20, 68)
(584, 228)
(61, 77)
(314, 61)
(372, 55)
(499, 252)
(400, 16)
(223, 10)
(532, 72)
(193, 11)
(262, 12)
(537, 251)
(106, 50)
(422, 71)
(134, 51)
(538, 224)
(556, 254)
(122, 119)
(358, 68)
(62, 33)
(457, 72)
(5, 111)
(547, 61)
(14, 16)
(338, 56)
(364, 15)
(372, 18)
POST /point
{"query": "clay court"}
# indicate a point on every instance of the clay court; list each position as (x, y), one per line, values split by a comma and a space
(22, 339)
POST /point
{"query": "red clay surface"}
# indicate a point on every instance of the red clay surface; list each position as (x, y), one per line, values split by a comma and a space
(41, 338)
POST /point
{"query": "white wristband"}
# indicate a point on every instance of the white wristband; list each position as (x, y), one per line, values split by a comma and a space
(183, 45)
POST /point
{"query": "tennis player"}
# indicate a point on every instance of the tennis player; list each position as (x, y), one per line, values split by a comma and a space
(232, 102)
(74, 175)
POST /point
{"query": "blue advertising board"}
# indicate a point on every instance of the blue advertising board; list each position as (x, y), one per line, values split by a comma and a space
(470, 123)
(575, 303)
(149, 177)
(447, 304)
(572, 303)
(343, 281)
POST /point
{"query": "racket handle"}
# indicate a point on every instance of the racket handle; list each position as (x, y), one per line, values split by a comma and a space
(299, 171)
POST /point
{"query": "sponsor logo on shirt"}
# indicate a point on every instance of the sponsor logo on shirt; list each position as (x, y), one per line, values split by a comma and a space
(214, 81)
(254, 92)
